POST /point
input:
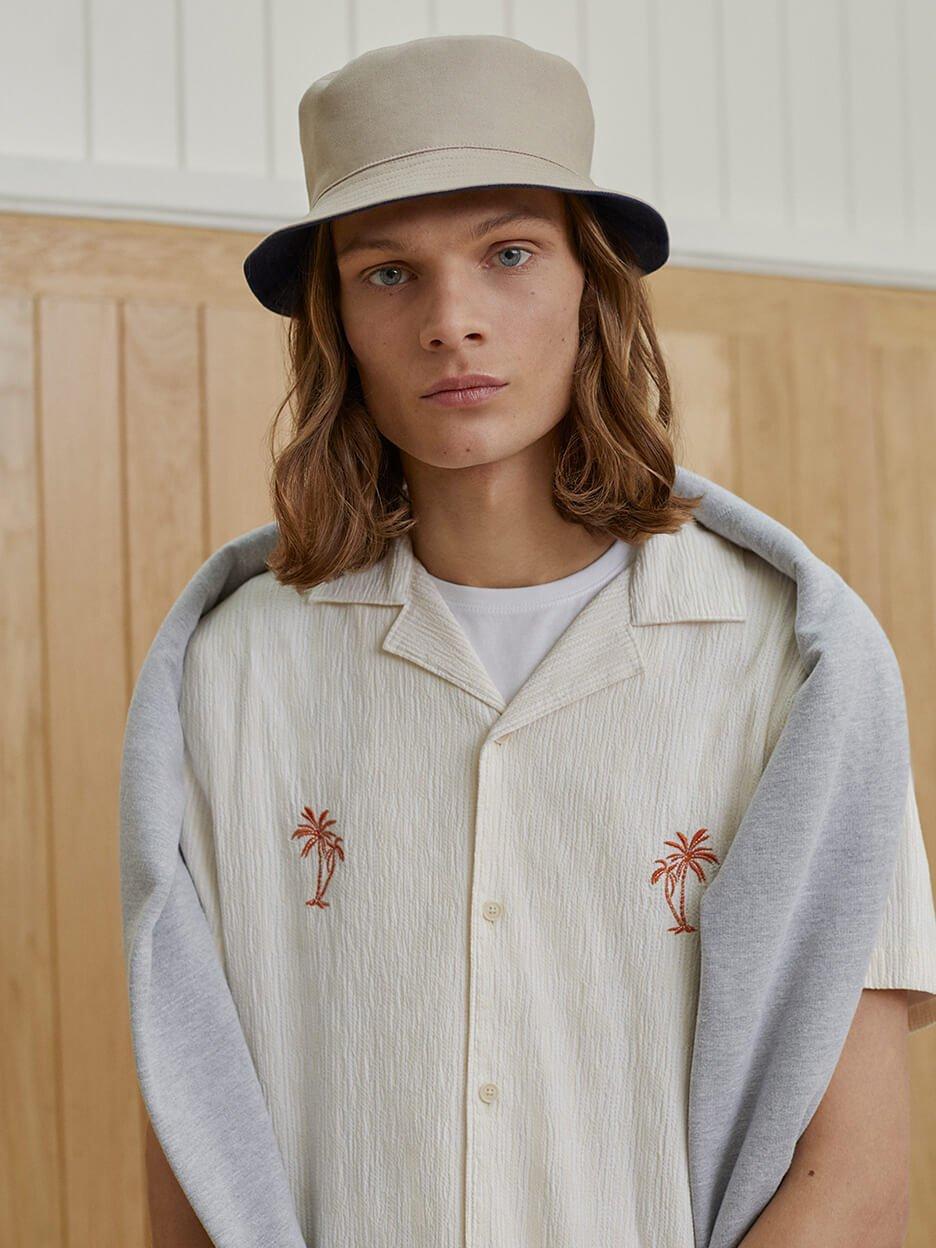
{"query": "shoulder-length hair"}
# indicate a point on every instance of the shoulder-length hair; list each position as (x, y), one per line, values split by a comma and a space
(337, 486)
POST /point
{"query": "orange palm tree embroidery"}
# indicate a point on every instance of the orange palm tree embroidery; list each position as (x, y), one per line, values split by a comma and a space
(673, 868)
(327, 845)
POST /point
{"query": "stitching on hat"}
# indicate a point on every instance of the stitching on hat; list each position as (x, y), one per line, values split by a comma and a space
(674, 867)
(452, 147)
(328, 848)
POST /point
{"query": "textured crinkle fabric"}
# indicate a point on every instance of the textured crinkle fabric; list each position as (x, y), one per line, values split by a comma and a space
(499, 905)
(787, 924)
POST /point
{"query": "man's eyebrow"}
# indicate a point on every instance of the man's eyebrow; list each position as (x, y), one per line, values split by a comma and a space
(371, 242)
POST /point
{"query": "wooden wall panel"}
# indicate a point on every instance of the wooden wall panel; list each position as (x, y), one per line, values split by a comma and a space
(85, 628)
(138, 379)
(765, 423)
(164, 494)
(832, 467)
(701, 379)
(116, 350)
(244, 355)
(32, 1186)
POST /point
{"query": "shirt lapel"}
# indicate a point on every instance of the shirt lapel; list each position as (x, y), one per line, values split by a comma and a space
(424, 631)
(694, 575)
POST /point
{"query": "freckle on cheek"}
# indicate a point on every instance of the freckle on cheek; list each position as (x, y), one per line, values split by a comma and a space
(812, 1172)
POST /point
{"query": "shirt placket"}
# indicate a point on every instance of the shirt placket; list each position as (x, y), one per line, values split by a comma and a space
(488, 1084)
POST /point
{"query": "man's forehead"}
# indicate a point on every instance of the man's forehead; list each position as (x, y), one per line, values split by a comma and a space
(462, 212)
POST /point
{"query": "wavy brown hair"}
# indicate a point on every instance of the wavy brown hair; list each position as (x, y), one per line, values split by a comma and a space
(337, 485)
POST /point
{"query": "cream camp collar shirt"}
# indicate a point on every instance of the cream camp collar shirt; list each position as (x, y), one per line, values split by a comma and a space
(460, 933)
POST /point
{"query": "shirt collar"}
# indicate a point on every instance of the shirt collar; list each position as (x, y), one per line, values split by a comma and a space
(694, 574)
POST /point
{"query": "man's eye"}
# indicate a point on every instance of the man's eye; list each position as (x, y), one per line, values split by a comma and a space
(388, 268)
(504, 250)
(394, 268)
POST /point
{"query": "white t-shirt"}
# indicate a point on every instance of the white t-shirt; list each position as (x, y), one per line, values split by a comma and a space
(512, 630)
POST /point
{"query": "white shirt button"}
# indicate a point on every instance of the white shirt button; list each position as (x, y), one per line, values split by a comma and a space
(492, 910)
(488, 1092)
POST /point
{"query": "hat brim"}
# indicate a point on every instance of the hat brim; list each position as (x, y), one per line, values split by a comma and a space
(274, 267)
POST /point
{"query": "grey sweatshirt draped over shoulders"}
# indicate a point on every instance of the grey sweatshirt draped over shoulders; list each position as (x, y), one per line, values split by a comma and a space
(779, 982)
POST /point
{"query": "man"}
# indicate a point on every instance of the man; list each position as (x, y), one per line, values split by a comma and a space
(433, 844)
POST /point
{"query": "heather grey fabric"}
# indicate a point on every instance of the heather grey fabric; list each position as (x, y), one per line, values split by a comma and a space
(787, 926)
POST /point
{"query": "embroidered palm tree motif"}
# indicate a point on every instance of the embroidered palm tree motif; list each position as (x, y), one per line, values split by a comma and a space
(327, 845)
(673, 869)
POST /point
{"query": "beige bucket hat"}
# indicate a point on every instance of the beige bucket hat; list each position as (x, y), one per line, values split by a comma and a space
(440, 114)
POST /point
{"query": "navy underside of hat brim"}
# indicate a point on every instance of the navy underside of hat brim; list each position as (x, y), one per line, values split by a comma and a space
(274, 267)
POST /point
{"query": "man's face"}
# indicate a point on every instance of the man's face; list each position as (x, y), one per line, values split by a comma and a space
(443, 289)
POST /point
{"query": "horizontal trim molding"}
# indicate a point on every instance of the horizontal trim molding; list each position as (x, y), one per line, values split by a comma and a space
(169, 195)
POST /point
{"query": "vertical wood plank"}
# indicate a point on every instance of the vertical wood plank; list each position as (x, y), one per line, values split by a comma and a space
(764, 428)
(165, 516)
(702, 368)
(86, 637)
(819, 361)
(32, 1192)
(245, 380)
(859, 458)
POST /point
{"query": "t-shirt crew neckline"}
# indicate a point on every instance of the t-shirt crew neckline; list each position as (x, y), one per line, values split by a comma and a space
(520, 598)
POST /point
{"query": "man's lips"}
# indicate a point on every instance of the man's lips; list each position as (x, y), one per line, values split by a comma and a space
(466, 396)
(464, 381)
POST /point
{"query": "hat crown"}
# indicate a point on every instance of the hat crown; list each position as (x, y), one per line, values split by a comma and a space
(444, 91)
(443, 114)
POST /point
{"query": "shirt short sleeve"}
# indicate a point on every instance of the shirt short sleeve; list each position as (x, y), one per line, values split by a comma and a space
(905, 953)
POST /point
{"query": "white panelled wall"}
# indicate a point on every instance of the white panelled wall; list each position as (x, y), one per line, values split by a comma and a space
(776, 136)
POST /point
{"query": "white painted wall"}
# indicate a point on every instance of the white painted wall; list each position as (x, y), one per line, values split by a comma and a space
(777, 136)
